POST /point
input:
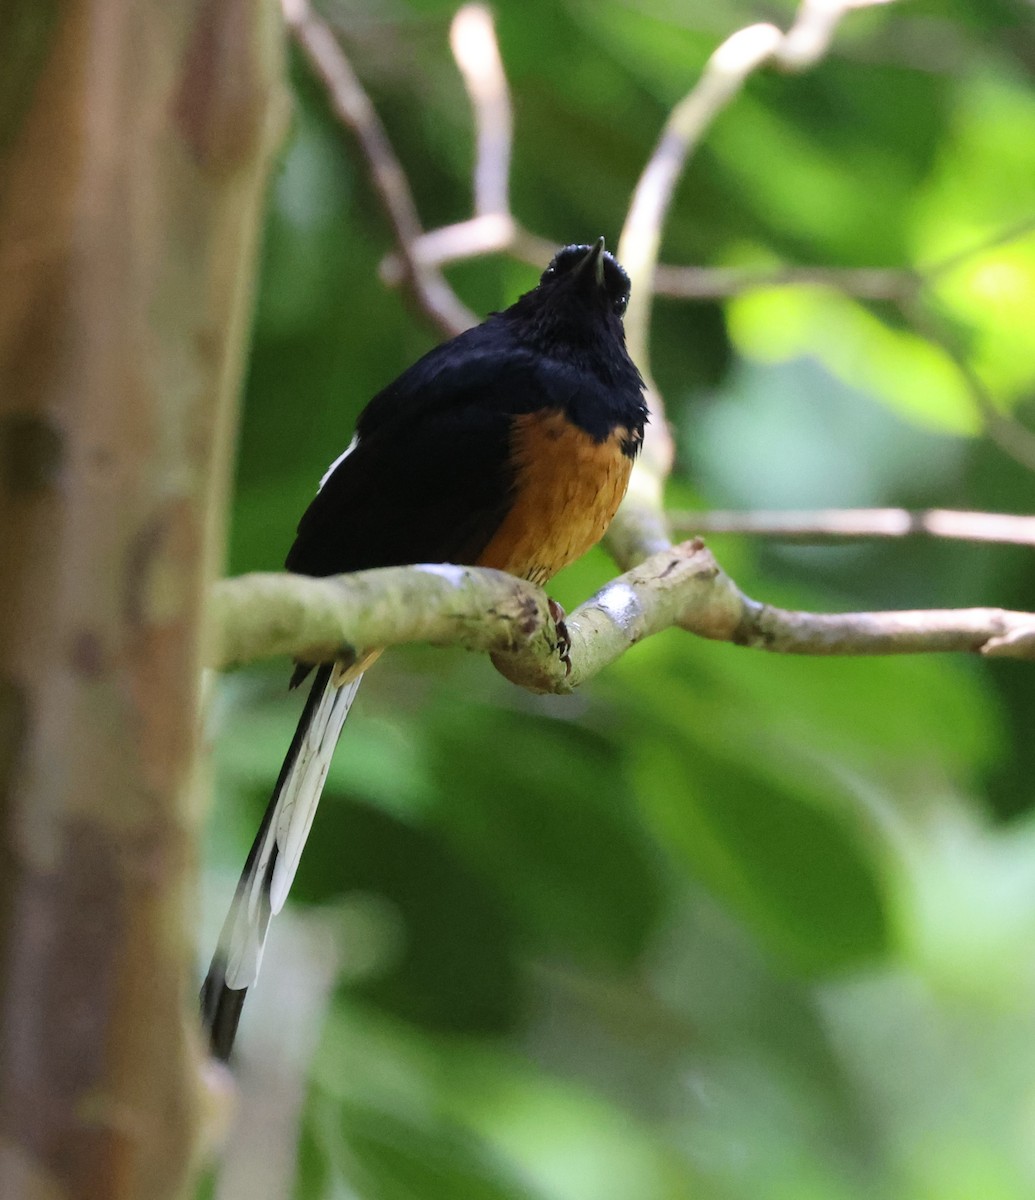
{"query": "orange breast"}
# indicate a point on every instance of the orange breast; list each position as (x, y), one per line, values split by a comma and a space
(568, 487)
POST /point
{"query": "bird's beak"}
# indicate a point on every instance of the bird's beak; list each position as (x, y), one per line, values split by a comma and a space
(594, 259)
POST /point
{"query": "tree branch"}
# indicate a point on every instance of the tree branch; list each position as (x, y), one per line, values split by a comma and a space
(416, 263)
(681, 586)
(843, 524)
(472, 38)
(715, 283)
(317, 620)
(314, 620)
(640, 527)
(351, 105)
(1001, 237)
(493, 229)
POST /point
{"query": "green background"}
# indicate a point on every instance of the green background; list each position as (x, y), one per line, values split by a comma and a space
(722, 925)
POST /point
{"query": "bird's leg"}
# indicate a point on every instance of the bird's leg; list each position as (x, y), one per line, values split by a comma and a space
(563, 646)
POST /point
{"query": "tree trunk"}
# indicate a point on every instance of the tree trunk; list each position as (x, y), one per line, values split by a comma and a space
(134, 147)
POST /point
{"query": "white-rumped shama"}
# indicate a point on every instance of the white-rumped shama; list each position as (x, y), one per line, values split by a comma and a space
(509, 446)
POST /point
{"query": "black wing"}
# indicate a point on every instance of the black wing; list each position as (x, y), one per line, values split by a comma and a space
(429, 479)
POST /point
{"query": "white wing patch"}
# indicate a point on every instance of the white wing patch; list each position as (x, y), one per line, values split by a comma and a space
(338, 461)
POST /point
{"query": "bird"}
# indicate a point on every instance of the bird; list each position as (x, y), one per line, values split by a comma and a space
(509, 446)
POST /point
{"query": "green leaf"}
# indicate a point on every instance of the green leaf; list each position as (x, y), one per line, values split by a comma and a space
(392, 1158)
(907, 373)
(794, 872)
(451, 963)
(542, 807)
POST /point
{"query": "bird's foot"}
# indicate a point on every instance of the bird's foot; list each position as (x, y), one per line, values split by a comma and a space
(563, 637)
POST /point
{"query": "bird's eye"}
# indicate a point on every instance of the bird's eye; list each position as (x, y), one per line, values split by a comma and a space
(619, 305)
(549, 273)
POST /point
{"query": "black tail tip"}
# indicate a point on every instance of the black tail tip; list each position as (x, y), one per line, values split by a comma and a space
(221, 1009)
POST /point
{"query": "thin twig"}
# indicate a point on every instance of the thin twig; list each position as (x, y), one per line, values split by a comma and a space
(994, 632)
(713, 283)
(901, 284)
(501, 233)
(845, 524)
(472, 38)
(352, 106)
(723, 76)
(495, 233)
(815, 24)
(492, 229)
(473, 238)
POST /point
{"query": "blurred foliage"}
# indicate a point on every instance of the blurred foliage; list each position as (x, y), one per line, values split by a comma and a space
(723, 926)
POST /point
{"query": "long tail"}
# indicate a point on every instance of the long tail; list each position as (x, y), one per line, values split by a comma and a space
(273, 859)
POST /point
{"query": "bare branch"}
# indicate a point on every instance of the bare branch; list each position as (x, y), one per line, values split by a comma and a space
(501, 233)
(314, 620)
(845, 524)
(472, 38)
(492, 228)
(353, 108)
(742, 53)
(815, 24)
(995, 632)
(318, 619)
(712, 283)
(901, 284)
(494, 233)
(724, 74)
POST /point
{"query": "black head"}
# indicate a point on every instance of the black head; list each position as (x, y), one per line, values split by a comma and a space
(587, 274)
(574, 316)
(578, 304)
(582, 281)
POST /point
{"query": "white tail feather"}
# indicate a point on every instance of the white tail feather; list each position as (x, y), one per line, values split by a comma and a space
(304, 786)
(261, 892)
